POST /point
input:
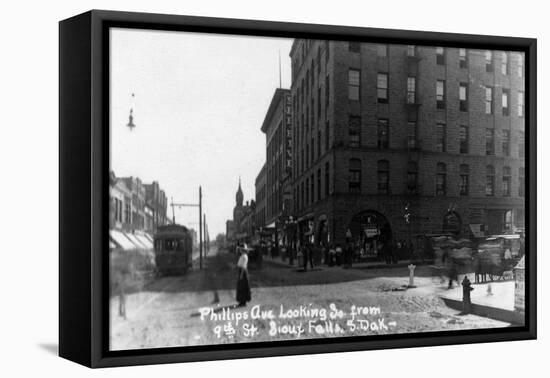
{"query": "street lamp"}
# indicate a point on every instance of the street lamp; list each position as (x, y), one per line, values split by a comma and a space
(131, 123)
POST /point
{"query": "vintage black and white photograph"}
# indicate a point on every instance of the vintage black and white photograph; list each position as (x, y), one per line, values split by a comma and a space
(265, 189)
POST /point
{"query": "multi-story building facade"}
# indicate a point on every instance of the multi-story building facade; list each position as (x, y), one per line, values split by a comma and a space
(261, 210)
(156, 199)
(136, 206)
(277, 127)
(392, 141)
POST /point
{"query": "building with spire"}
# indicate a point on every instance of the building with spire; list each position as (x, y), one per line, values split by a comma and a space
(234, 228)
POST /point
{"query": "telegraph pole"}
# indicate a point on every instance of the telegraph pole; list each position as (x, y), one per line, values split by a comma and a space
(205, 235)
(200, 227)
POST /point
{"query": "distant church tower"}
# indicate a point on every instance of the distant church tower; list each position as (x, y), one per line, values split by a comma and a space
(238, 210)
(239, 196)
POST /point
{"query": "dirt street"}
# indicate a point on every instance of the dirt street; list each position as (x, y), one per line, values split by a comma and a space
(197, 309)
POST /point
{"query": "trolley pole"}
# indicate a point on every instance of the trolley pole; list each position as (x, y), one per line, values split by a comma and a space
(200, 227)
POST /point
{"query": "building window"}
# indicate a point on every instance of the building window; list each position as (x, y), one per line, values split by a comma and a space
(463, 97)
(521, 104)
(520, 65)
(318, 143)
(505, 102)
(355, 176)
(319, 60)
(521, 144)
(312, 188)
(440, 55)
(506, 181)
(440, 94)
(327, 51)
(383, 177)
(488, 100)
(411, 90)
(504, 64)
(441, 179)
(327, 177)
(319, 102)
(127, 212)
(490, 181)
(382, 50)
(506, 139)
(354, 80)
(489, 61)
(319, 184)
(411, 50)
(327, 125)
(382, 87)
(464, 171)
(354, 47)
(383, 134)
(411, 134)
(327, 97)
(440, 134)
(354, 129)
(307, 192)
(489, 141)
(462, 58)
(521, 189)
(412, 177)
(464, 139)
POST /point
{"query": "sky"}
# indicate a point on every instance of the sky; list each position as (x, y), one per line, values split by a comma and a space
(200, 100)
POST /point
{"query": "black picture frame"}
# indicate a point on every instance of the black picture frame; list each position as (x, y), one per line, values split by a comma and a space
(83, 180)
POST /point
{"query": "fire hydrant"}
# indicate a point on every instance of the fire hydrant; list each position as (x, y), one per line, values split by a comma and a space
(466, 301)
(411, 275)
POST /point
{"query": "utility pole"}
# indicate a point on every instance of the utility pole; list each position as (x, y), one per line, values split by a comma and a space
(200, 227)
(205, 235)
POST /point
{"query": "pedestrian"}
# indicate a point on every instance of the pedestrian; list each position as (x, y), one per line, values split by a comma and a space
(453, 272)
(311, 255)
(339, 254)
(331, 256)
(243, 286)
(349, 255)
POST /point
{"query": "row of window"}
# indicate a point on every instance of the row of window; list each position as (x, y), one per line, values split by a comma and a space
(463, 57)
(311, 188)
(383, 179)
(383, 137)
(354, 93)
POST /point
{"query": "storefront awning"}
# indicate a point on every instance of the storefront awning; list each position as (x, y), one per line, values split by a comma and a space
(144, 240)
(136, 241)
(121, 240)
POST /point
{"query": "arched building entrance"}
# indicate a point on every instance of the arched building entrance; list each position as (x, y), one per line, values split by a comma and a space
(369, 230)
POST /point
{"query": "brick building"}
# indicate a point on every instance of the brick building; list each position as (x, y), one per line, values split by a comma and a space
(381, 131)
(277, 127)
(260, 185)
(136, 206)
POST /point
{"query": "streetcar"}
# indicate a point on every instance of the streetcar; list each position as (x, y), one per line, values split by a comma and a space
(173, 249)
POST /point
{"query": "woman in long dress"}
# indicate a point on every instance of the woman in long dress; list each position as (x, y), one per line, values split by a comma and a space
(243, 287)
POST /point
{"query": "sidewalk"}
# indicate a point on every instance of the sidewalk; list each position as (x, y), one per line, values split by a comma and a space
(498, 305)
(356, 265)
